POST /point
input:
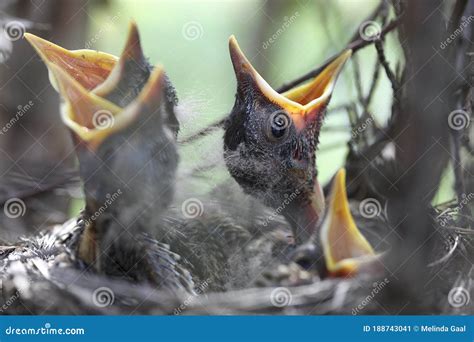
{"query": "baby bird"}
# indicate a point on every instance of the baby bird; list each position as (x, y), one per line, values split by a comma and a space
(121, 112)
(338, 250)
(270, 141)
(127, 158)
(346, 251)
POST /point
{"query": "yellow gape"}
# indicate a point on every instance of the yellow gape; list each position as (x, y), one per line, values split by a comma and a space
(345, 248)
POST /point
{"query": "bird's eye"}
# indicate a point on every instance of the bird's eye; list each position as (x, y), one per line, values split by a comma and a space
(278, 125)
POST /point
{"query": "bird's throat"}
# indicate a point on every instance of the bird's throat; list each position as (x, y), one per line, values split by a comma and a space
(304, 213)
(303, 220)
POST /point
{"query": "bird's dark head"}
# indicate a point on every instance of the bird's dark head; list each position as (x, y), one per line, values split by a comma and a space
(117, 79)
(128, 151)
(271, 138)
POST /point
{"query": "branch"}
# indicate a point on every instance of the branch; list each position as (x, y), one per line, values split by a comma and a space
(354, 45)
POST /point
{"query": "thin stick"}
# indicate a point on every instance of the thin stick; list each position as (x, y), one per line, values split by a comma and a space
(355, 46)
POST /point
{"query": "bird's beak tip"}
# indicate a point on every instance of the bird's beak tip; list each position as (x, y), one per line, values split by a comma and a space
(236, 54)
(132, 25)
(31, 38)
(28, 36)
(88, 67)
(232, 40)
(41, 46)
(133, 48)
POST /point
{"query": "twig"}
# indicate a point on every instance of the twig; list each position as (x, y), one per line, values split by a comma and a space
(447, 255)
(373, 85)
(203, 132)
(391, 76)
(357, 80)
(355, 46)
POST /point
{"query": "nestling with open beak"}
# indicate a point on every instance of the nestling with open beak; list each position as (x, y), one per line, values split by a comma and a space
(128, 169)
(338, 250)
(117, 79)
(270, 141)
(346, 251)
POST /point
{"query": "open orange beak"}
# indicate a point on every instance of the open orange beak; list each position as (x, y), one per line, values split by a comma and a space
(303, 103)
(96, 71)
(88, 67)
(91, 118)
(131, 58)
(345, 249)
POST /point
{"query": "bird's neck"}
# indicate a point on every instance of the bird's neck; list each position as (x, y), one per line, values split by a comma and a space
(304, 213)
